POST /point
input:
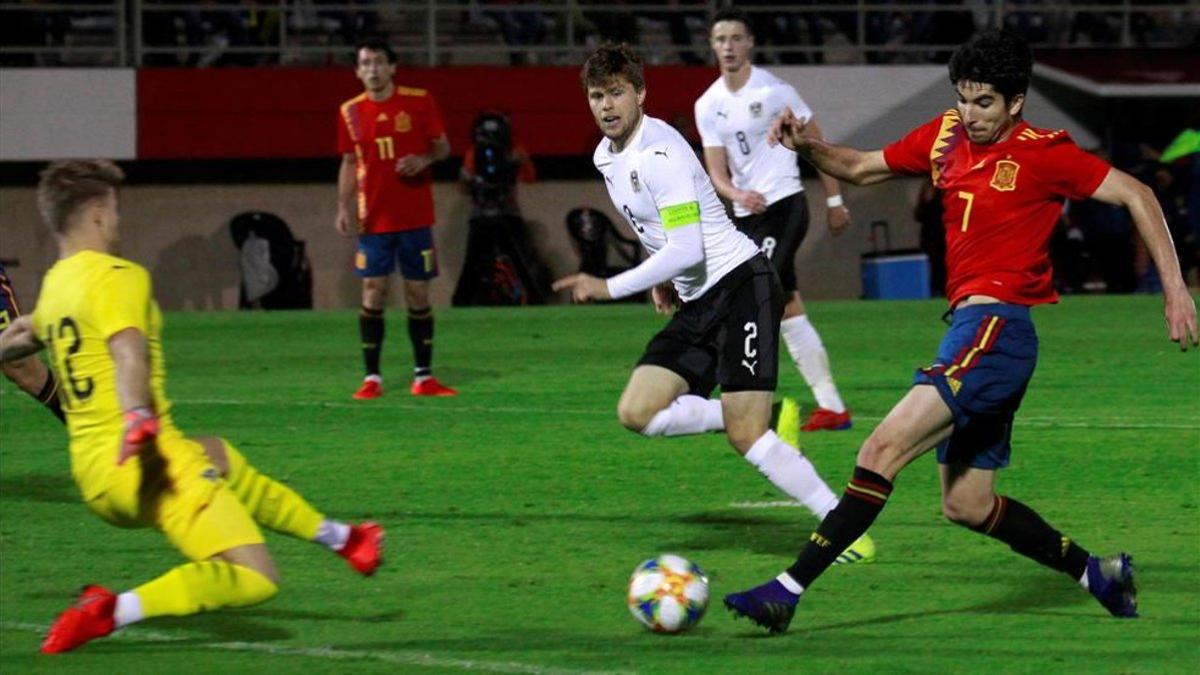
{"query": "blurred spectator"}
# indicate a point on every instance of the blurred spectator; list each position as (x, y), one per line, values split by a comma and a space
(681, 32)
(1108, 233)
(1096, 28)
(943, 28)
(31, 28)
(928, 213)
(518, 27)
(1069, 255)
(618, 27)
(351, 25)
(1172, 192)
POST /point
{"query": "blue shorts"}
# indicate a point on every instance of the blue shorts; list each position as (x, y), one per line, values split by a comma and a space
(983, 367)
(379, 254)
(9, 309)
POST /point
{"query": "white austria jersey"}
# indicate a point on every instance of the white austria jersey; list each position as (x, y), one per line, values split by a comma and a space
(739, 121)
(658, 170)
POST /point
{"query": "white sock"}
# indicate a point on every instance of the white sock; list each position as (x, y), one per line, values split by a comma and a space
(332, 534)
(687, 414)
(791, 472)
(128, 610)
(807, 350)
(789, 583)
(377, 379)
(1083, 580)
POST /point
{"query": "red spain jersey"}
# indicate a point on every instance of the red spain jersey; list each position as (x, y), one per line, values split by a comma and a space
(379, 133)
(1002, 202)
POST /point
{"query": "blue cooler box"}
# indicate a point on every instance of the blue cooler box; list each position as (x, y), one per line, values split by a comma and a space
(895, 276)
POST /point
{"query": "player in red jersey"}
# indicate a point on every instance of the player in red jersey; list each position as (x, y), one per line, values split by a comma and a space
(29, 373)
(389, 136)
(1004, 183)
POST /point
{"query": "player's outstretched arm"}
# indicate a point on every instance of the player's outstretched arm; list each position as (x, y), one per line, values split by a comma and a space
(583, 287)
(844, 163)
(19, 340)
(717, 164)
(131, 359)
(837, 216)
(1122, 189)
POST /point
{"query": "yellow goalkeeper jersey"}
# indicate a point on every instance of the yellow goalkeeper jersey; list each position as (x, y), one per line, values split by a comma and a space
(86, 299)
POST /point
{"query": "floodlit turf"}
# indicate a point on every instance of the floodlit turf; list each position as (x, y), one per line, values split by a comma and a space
(516, 511)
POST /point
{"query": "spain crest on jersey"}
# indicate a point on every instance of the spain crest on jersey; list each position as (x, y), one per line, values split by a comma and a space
(756, 109)
(633, 182)
(403, 122)
(1005, 178)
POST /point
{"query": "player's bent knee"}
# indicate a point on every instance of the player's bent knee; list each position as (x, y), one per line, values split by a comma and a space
(877, 452)
(254, 557)
(214, 448)
(634, 416)
(743, 436)
(964, 513)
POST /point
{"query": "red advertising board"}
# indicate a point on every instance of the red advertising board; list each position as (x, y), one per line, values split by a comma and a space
(234, 113)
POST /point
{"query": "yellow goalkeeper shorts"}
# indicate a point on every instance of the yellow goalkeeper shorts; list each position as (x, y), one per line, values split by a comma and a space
(178, 491)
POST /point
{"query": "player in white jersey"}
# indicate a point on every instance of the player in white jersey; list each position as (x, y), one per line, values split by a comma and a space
(763, 183)
(726, 330)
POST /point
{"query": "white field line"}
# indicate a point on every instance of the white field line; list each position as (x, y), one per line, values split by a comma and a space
(1040, 422)
(404, 658)
(766, 505)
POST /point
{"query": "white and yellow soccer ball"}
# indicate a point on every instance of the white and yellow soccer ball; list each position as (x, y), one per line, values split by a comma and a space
(668, 594)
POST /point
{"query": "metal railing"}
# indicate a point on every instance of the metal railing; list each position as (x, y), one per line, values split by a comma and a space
(442, 32)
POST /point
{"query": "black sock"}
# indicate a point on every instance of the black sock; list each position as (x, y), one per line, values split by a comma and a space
(370, 328)
(420, 331)
(1026, 533)
(48, 397)
(865, 497)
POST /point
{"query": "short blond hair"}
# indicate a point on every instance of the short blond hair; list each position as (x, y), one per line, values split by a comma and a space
(65, 186)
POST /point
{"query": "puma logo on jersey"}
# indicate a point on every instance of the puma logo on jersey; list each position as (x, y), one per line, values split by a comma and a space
(661, 152)
(608, 178)
(721, 114)
(750, 365)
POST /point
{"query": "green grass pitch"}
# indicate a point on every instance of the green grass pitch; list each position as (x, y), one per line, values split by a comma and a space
(516, 511)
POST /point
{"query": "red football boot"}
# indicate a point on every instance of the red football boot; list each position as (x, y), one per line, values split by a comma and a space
(823, 418)
(89, 618)
(431, 387)
(371, 388)
(364, 548)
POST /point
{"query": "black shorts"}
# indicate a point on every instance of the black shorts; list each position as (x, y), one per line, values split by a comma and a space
(9, 309)
(779, 231)
(728, 336)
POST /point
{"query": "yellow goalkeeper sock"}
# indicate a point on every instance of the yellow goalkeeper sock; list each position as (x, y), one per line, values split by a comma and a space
(203, 587)
(270, 502)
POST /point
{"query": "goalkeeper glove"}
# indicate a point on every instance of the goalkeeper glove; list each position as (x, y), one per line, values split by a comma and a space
(141, 428)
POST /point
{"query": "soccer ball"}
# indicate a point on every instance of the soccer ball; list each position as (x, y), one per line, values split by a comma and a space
(668, 594)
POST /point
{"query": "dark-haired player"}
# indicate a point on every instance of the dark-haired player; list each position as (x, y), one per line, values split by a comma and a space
(726, 330)
(29, 373)
(389, 136)
(1004, 183)
(762, 181)
(97, 318)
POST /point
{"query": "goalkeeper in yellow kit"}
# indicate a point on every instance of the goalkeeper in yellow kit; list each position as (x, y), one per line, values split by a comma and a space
(134, 468)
